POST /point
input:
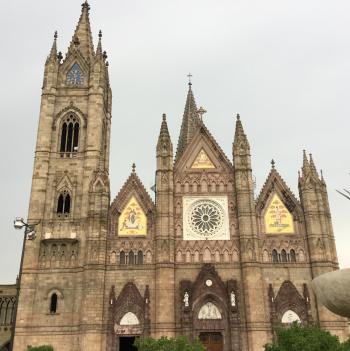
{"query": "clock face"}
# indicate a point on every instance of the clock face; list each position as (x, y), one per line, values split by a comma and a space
(205, 218)
(74, 76)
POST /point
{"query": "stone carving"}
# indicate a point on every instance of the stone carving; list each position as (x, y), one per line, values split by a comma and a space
(290, 317)
(129, 318)
(186, 299)
(209, 311)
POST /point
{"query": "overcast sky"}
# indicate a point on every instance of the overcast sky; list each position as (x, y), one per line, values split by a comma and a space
(283, 65)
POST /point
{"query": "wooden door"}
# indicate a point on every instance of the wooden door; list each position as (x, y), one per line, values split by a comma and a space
(211, 341)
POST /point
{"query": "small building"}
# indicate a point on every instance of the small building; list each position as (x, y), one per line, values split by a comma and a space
(7, 307)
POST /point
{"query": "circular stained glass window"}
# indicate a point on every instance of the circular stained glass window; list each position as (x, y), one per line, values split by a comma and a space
(206, 217)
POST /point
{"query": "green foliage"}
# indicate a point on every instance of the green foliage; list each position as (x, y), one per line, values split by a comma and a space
(40, 348)
(306, 338)
(164, 344)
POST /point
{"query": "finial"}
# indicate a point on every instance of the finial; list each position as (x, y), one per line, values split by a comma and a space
(100, 34)
(107, 63)
(201, 111)
(164, 117)
(59, 56)
(189, 79)
(133, 167)
(238, 116)
(86, 5)
(104, 55)
(55, 35)
(273, 163)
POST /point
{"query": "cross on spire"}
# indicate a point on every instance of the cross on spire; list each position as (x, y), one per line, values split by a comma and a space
(201, 111)
(189, 78)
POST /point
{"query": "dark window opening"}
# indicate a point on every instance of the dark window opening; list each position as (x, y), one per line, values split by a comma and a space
(131, 257)
(64, 203)
(122, 257)
(70, 135)
(274, 256)
(284, 255)
(53, 303)
(292, 256)
(140, 257)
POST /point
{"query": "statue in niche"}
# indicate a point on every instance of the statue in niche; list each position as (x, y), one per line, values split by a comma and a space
(186, 299)
(233, 299)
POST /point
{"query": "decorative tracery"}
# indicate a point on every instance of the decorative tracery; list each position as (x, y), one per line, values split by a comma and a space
(69, 135)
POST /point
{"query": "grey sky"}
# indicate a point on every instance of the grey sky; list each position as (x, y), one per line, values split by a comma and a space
(283, 65)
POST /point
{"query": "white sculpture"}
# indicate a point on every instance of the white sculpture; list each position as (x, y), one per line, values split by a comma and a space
(209, 311)
(186, 299)
(129, 318)
(233, 299)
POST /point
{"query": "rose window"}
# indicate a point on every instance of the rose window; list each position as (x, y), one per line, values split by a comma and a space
(206, 217)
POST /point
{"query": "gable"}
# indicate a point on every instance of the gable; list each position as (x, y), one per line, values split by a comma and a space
(277, 218)
(203, 153)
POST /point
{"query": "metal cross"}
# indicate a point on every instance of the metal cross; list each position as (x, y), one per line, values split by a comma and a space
(189, 79)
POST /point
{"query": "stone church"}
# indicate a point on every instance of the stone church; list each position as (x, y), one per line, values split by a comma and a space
(206, 258)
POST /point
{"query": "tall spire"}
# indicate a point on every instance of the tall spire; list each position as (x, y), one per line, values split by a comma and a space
(190, 122)
(82, 37)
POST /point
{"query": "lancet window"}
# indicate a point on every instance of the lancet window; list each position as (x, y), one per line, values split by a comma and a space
(69, 136)
(64, 204)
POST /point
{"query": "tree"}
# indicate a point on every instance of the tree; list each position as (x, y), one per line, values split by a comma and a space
(40, 348)
(164, 344)
(306, 338)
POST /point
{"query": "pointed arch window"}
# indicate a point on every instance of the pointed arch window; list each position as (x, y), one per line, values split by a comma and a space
(283, 255)
(140, 257)
(64, 204)
(274, 256)
(131, 257)
(69, 135)
(122, 257)
(75, 76)
(292, 256)
(53, 303)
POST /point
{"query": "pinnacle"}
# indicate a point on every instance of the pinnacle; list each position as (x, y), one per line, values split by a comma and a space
(239, 132)
(53, 51)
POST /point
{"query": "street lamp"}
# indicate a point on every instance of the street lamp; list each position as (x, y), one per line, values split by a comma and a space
(29, 234)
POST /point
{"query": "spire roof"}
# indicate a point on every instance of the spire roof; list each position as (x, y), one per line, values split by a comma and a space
(164, 136)
(190, 122)
(82, 37)
(53, 51)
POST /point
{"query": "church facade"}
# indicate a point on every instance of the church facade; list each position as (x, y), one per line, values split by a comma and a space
(206, 259)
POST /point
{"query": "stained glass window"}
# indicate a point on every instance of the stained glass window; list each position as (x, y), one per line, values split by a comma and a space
(75, 76)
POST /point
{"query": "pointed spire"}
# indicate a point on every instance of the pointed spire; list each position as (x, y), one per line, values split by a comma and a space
(53, 52)
(164, 145)
(99, 45)
(190, 122)
(82, 38)
(240, 136)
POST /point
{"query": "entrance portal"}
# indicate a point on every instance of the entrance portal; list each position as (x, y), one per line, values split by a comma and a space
(126, 343)
(211, 341)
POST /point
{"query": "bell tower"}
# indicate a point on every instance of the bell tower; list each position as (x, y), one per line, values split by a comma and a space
(69, 197)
